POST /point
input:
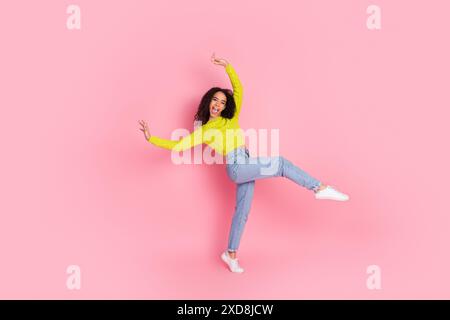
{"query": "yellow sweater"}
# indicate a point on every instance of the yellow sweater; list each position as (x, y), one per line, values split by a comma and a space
(221, 134)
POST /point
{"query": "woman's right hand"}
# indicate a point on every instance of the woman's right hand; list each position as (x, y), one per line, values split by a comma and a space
(144, 129)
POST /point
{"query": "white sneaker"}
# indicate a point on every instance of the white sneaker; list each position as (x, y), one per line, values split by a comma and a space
(331, 194)
(232, 263)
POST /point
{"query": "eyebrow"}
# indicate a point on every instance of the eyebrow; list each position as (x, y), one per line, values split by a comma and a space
(220, 100)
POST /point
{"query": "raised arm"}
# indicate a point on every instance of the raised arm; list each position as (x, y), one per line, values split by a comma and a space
(187, 142)
(235, 83)
(237, 88)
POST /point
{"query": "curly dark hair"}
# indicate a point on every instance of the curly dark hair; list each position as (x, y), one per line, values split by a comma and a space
(203, 108)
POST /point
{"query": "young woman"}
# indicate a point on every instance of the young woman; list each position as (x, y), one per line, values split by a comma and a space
(219, 112)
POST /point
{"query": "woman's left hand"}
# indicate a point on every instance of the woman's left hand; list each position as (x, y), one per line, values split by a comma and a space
(220, 62)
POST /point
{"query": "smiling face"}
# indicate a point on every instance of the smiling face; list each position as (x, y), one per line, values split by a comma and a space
(217, 104)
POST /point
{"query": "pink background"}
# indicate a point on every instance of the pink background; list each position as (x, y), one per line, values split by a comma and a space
(366, 111)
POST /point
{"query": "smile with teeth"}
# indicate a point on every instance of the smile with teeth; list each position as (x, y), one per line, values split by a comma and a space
(215, 110)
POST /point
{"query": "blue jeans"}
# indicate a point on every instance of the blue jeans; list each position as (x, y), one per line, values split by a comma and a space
(244, 170)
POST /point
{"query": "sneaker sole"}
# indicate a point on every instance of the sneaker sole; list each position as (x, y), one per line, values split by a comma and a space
(225, 260)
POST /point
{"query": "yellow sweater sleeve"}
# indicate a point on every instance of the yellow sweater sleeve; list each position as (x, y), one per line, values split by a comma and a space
(187, 142)
(237, 88)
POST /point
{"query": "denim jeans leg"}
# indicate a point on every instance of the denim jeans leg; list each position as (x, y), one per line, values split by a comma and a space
(278, 166)
(244, 197)
(300, 177)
